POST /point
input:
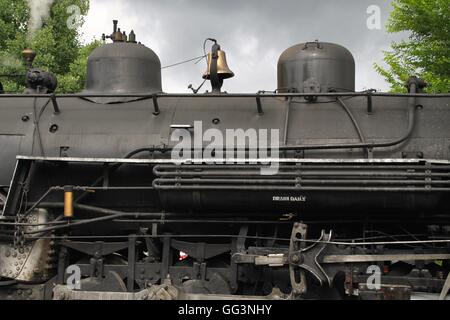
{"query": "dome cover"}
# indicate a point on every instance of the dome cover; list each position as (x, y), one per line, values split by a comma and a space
(123, 68)
(315, 67)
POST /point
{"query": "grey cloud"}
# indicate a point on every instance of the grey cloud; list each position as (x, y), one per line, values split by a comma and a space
(253, 33)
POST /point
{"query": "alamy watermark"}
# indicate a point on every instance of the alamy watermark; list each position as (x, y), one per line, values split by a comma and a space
(74, 20)
(236, 146)
(374, 19)
(74, 277)
(374, 280)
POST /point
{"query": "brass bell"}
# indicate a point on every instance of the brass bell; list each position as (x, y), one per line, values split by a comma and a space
(223, 71)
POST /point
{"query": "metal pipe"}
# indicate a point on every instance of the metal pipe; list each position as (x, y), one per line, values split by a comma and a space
(259, 105)
(116, 167)
(300, 167)
(409, 131)
(41, 199)
(7, 283)
(362, 138)
(300, 188)
(94, 209)
(155, 105)
(203, 221)
(348, 174)
(56, 109)
(302, 182)
(353, 119)
(301, 173)
(340, 243)
(77, 224)
(93, 189)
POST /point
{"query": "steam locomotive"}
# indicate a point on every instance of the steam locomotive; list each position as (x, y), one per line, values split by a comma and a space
(95, 206)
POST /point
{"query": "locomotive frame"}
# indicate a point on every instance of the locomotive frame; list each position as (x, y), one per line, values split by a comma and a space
(96, 207)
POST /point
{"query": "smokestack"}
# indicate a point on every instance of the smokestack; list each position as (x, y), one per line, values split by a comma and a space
(39, 12)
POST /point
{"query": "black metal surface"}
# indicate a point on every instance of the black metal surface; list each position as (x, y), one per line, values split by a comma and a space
(232, 95)
(330, 65)
(313, 188)
(373, 166)
(122, 68)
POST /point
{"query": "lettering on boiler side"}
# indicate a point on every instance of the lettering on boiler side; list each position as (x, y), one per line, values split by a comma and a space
(289, 199)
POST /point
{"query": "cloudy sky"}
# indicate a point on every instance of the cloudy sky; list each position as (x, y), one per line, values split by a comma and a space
(252, 32)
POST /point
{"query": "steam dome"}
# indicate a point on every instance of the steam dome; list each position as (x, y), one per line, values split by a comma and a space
(315, 67)
(123, 68)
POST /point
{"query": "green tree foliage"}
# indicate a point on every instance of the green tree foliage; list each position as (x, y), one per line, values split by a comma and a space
(427, 51)
(58, 47)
